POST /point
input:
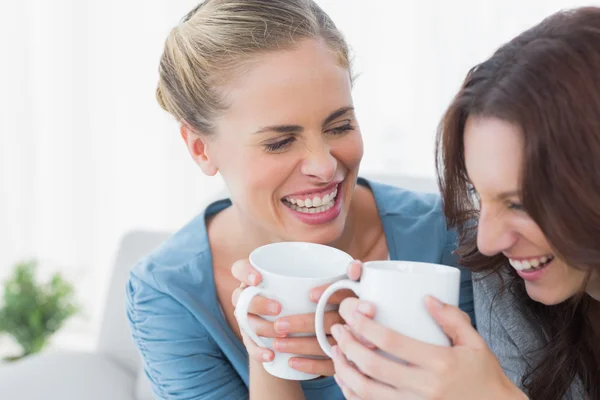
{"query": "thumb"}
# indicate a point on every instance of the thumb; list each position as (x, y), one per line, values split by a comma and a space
(454, 322)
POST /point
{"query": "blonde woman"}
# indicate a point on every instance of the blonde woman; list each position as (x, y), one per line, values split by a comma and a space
(262, 90)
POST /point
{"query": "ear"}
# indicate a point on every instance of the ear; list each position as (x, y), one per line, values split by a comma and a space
(198, 146)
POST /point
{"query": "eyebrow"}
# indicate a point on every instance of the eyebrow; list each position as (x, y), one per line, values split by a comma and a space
(510, 193)
(287, 128)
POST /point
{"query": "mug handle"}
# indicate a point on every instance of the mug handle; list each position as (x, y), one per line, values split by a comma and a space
(241, 312)
(320, 313)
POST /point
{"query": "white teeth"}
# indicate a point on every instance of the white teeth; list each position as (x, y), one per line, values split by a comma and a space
(316, 202)
(535, 263)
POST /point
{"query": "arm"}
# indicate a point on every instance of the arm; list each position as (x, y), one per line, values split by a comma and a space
(264, 386)
(181, 360)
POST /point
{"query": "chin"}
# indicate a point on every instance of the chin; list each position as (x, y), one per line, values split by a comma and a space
(546, 296)
(321, 235)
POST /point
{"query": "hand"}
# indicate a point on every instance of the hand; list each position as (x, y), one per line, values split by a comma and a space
(467, 370)
(248, 276)
(305, 346)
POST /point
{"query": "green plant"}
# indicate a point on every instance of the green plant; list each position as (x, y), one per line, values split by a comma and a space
(32, 312)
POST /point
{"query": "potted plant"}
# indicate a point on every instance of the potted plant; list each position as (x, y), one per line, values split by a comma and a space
(31, 311)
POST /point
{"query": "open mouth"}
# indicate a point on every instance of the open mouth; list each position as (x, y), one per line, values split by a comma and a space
(532, 264)
(312, 203)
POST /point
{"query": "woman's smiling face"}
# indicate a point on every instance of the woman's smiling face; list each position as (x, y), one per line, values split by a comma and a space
(289, 146)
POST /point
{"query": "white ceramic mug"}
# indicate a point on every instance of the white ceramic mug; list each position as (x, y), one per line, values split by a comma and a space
(398, 289)
(289, 271)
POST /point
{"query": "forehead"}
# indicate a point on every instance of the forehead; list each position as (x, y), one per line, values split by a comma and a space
(282, 86)
(493, 154)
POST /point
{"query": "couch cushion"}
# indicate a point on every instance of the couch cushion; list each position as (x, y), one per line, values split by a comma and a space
(143, 388)
(66, 376)
(115, 336)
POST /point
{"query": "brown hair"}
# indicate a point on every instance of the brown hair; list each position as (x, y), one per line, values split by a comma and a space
(218, 38)
(546, 81)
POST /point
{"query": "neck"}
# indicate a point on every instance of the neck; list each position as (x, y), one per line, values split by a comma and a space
(243, 235)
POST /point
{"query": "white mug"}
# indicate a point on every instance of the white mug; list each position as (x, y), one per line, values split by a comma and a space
(398, 289)
(289, 271)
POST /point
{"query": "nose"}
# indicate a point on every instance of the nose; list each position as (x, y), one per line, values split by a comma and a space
(319, 163)
(494, 233)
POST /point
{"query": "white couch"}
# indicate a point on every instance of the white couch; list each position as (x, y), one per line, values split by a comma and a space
(114, 370)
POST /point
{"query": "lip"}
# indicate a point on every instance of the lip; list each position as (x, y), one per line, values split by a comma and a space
(525, 258)
(535, 275)
(322, 217)
(316, 191)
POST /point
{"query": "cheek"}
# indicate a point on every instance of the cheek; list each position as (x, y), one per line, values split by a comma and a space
(349, 150)
(529, 230)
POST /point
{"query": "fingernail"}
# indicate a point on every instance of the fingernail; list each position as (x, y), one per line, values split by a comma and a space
(365, 308)
(252, 278)
(434, 303)
(336, 330)
(273, 308)
(350, 318)
(293, 363)
(335, 351)
(282, 326)
(314, 295)
(346, 327)
(266, 356)
(279, 345)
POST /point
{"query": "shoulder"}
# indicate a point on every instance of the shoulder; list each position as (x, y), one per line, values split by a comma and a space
(497, 304)
(392, 200)
(174, 258)
(406, 212)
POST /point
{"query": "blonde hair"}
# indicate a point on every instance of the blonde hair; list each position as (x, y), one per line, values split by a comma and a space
(218, 37)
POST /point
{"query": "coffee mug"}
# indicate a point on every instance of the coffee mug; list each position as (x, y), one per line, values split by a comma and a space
(289, 271)
(398, 289)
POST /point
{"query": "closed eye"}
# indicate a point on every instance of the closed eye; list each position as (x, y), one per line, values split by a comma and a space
(339, 130)
(280, 145)
(515, 206)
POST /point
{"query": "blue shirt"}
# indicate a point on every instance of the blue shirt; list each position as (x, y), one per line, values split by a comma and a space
(189, 350)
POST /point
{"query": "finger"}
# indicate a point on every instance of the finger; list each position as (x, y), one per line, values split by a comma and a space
(352, 305)
(259, 305)
(454, 322)
(305, 323)
(355, 270)
(243, 271)
(361, 339)
(262, 327)
(302, 346)
(348, 394)
(371, 363)
(359, 384)
(405, 348)
(256, 352)
(311, 366)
